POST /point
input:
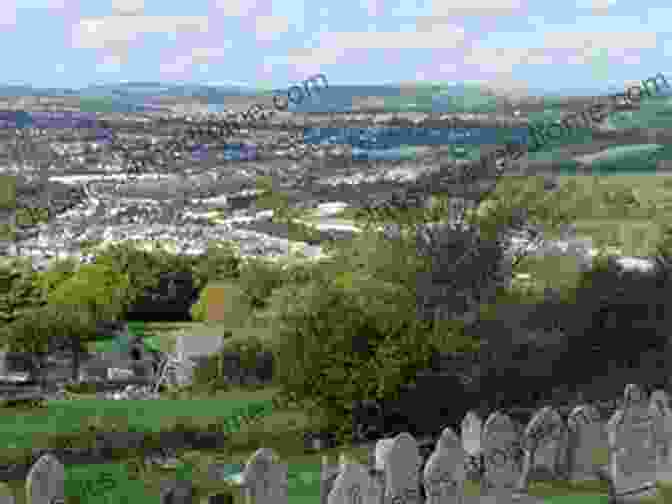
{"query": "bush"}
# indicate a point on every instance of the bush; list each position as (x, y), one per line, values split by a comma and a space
(247, 350)
(334, 340)
(20, 290)
(146, 272)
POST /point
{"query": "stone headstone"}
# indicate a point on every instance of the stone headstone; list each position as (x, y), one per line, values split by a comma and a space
(587, 436)
(661, 412)
(328, 474)
(545, 443)
(382, 449)
(45, 481)
(178, 492)
(353, 486)
(445, 472)
(632, 453)
(402, 465)
(472, 431)
(502, 457)
(264, 479)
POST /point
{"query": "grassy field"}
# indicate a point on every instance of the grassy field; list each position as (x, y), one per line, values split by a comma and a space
(28, 428)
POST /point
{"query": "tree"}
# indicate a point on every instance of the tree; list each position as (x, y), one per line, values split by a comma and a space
(32, 333)
(95, 292)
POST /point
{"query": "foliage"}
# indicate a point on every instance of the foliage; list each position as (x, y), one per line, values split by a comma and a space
(247, 350)
(59, 271)
(271, 199)
(199, 310)
(257, 281)
(142, 269)
(19, 290)
(96, 291)
(332, 335)
(31, 332)
(220, 261)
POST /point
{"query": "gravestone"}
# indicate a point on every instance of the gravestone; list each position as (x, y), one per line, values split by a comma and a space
(328, 474)
(661, 413)
(383, 447)
(445, 472)
(178, 492)
(545, 444)
(472, 432)
(402, 465)
(264, 479)
(45, 481)
(587, 436)
(501, 456)
(630, 431)
(353, 486)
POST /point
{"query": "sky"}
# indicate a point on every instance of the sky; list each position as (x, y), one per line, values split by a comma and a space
(508, 44)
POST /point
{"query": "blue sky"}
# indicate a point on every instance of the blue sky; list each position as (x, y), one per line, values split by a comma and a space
(508, 44)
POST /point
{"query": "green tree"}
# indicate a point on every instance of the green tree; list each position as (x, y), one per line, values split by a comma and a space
(96, 292)
(19, 289)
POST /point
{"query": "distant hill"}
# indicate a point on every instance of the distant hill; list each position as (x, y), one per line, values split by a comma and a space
(435, 97)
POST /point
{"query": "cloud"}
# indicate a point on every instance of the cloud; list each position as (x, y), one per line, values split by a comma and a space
(612, 41)
(8, 13)
(236, 8)
(599, 7)
(198, 56)
(128, 7)
(438, 36)
(110, 31)
(475, 7)
(373, 7)
(268, 27)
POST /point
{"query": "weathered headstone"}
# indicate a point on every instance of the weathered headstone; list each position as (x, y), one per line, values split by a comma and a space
(587, 436)
(353, 486)
(328, 474)
(45, 481)
(265, 479)
(630, 433)
(502, 457)
(545, 443)
(178, 492)
(661, 413)
(472, 431)
(402, 466)
(445, 473)
(383, 447)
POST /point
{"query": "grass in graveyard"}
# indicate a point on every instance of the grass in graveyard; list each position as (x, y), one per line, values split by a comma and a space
(30, 428)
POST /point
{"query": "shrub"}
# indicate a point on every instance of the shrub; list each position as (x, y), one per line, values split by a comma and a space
(335, 338)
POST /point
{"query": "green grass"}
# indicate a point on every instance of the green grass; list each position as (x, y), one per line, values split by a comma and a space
(28, 428)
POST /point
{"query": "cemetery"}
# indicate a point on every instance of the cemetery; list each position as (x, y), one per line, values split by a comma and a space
(624, 458)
